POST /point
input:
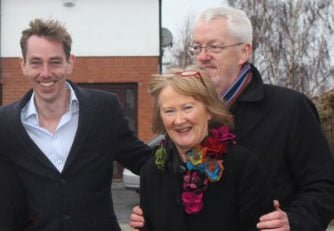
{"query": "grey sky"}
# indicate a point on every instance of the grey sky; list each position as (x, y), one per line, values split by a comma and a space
(174, 12)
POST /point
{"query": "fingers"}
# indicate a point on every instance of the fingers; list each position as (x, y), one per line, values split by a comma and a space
(276, 215)
(276, 220)
(136, 218)
(137, 210)
(274, 224)
(276, 205)
(270, 225)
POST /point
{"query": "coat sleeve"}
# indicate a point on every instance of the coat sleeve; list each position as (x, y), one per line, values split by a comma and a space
(13, 207)
(255, 193)
(312, 169)
(144, 194)
(131, 152)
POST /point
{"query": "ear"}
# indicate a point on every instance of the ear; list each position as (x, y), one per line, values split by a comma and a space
(209, 116)
(246, 53)
(70, 64)
(23, 67)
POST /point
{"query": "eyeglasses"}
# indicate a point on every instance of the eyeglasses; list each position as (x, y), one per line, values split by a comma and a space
(213, 49)
(190, 73)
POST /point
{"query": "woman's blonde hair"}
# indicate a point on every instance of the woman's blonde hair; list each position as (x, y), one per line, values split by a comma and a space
(192, 83)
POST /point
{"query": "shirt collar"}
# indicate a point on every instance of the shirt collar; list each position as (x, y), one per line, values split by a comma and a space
(30, 107)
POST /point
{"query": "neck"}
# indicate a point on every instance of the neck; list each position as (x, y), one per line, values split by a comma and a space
(183, 156)
(50, 113)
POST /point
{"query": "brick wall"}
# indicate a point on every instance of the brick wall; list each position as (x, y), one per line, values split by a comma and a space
(94, 70)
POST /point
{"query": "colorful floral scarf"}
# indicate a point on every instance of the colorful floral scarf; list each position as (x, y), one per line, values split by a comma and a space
(204, 164)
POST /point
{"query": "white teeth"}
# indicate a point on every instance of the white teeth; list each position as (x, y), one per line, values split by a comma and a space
(47, 84)
(183, 130)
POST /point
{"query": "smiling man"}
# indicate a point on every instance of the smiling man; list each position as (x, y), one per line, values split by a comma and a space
(63, 139)
(47, 66)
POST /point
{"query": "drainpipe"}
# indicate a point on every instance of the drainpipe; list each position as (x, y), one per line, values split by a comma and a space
(1, 87)
(160, 37)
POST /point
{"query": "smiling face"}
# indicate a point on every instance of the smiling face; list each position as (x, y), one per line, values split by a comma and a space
(46, 68)
(184, 118)
(223, 67)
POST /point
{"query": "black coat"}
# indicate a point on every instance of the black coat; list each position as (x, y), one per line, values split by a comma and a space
(234, 203)
(78, 198)
(13, 205)
(281, 127)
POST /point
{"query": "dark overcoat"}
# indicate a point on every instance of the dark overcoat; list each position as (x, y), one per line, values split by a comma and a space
(79, 197)
(234, 203)
(13, 205)
(281, 127)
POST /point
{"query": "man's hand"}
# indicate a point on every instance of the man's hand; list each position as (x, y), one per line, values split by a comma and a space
(136, 219)
(274, 221)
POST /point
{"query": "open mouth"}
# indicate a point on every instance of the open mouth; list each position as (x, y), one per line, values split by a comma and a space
(47, 84)
(183, 130)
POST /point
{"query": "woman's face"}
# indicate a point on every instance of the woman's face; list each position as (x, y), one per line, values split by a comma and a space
(185, 119)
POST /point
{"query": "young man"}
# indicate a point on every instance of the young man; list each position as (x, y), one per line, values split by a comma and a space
(279, 125)
(63, 139)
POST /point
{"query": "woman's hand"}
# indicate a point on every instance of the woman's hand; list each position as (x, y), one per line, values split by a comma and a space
(274, 221)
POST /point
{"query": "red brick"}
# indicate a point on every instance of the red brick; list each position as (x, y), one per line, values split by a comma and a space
(94, 70)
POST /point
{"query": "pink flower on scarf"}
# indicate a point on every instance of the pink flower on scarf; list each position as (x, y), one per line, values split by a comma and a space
(193, 202)
(223, 134)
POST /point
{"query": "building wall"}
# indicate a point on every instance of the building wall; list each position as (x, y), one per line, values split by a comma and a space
(94, 70)
(98, 27)
(114, 41)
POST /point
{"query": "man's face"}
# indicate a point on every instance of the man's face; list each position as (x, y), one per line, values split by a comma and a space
(223, 67)
(46, 67)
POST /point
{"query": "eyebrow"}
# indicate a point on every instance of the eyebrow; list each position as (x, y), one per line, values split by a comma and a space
(57, 58)
(209, 42)
(52, 58)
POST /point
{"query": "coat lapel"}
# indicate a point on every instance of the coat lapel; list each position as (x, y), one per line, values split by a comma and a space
(86, 115)
(245, 114)
(14, 118)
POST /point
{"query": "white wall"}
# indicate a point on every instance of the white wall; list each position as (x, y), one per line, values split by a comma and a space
(97, 27)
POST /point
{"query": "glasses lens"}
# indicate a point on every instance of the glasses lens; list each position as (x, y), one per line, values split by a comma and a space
(215, 49)
(195, 50)
(191, 73)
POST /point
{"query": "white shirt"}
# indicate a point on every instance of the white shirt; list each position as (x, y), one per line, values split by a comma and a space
(55, 147)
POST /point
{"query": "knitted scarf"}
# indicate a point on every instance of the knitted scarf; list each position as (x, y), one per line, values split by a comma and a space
(231, 94)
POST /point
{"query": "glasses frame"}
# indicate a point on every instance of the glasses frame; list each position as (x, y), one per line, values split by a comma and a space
(190, 73)
(207, 48)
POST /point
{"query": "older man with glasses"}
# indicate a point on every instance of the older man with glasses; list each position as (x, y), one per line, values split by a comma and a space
(279, 125)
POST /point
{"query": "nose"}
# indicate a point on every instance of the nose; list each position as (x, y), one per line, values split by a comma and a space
(179, 118)
(203, 55)
(46, 72)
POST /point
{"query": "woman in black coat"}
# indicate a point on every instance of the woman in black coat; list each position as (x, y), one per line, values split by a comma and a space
(13, 208)
(199, 178)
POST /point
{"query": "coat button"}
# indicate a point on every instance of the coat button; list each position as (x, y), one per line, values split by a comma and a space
(66, 217)
(62, 181)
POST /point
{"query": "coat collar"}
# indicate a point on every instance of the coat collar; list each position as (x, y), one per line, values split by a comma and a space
(254, 91)
(247, 117)
(86, 117)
